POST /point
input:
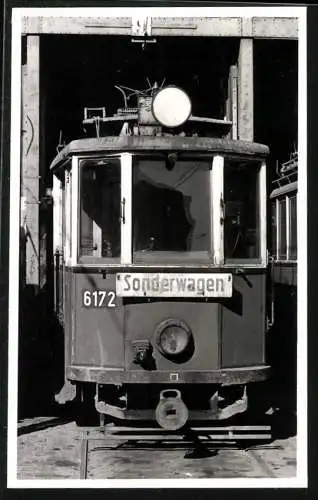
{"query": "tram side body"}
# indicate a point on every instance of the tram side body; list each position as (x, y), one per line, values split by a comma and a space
(112, 340)
(283, 338)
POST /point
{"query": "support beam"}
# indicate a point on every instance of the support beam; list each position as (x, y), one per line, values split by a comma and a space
(30, 157)
(232, 101)
(245, 90)
(254, 27)
(275, 27)
(233, 73)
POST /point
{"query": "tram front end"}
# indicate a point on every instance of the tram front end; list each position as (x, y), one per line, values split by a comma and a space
(164, 268)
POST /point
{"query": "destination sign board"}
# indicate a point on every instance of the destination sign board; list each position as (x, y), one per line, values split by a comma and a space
(174, 285)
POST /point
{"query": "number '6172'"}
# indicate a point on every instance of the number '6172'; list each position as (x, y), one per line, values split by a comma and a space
(99, 298)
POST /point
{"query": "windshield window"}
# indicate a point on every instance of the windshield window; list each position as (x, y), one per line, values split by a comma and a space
(100, 207)
(171, 206)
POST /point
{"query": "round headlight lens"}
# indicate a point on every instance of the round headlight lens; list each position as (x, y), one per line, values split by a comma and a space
(173, 340)
(173, 337)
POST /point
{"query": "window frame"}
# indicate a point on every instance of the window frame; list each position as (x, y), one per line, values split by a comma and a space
(290, 197)
(261, 260)
(206, 258)
(274, 212)
(69, 213)
(280, 257)
(74, 227)
(217, 209)
(58, 219)
(287, 198)
(125, 189)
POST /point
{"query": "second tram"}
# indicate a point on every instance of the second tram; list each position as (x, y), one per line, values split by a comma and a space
(283, 201)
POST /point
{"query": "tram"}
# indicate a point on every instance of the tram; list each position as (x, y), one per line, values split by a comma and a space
(283, 199)
(284, 223)
(161, 264)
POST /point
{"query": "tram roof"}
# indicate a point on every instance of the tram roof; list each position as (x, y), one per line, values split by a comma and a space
(287, 188)
(127, 143)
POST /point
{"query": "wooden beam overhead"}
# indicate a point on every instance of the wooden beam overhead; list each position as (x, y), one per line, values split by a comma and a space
(233, 100)
(77, 25)
(245, 91)
(275, 27)
(30, 157)
(256, 27)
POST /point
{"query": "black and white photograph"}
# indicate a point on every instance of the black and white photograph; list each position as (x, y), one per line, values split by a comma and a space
(157, 265)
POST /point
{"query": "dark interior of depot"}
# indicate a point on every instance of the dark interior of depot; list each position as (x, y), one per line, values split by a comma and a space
(81, 71)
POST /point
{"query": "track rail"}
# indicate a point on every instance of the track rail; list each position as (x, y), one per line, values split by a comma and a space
(261, 463)
(41, 423)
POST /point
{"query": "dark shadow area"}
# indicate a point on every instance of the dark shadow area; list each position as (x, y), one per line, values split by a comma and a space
(234, 303)
(41, 335)
(284, 424)
(48, 424)
(275, 399)
(41, 355)
(81, 72)
(281, 349)
(276, 98)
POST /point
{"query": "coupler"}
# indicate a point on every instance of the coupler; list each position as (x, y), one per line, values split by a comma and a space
(171, 412)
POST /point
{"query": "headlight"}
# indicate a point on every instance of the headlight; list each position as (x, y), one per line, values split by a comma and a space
(173, 337)
(171, 106)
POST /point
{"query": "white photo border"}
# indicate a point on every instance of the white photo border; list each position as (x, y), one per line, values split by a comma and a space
(301, 478)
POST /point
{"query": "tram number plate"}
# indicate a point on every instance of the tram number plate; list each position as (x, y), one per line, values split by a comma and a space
(99, 298)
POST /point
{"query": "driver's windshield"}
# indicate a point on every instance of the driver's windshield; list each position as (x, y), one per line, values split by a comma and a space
(171, 206)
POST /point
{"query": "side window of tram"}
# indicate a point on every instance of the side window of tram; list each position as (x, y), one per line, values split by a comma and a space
(293, 228)
(282, 249)
(274, 230)
(241, 222)
(100, 208)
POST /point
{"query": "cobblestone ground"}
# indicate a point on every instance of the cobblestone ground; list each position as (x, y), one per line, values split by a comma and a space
(54, 453)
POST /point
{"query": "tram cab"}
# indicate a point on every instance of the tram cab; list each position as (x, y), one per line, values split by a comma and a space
(161, 262)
